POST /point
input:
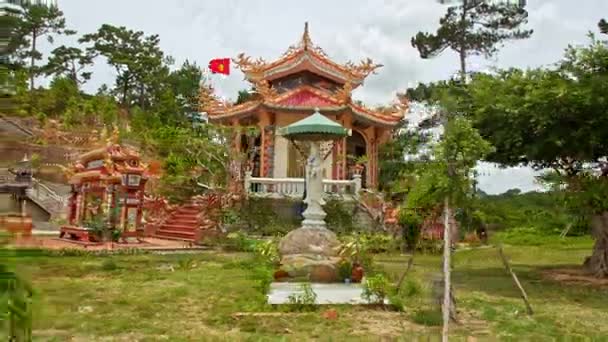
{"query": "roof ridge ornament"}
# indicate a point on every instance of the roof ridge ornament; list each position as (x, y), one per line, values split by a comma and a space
(306, 41)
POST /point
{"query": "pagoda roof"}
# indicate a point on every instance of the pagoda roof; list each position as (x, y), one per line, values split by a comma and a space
(305, 56)
(305, 99)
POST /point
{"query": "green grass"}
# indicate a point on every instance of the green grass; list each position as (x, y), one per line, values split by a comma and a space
(193, 298)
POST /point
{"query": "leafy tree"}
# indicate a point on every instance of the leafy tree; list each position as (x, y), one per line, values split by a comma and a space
(473, 27)
(245, 95)
(603, 24)
(185, 83)
(70, 62)
(449, 171)
(137, 59)
(54, 101)
(554, 119)
(38, 21)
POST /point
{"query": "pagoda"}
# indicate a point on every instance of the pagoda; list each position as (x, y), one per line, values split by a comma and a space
(290, 89)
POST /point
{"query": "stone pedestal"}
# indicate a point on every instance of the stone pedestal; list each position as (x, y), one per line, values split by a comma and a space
(310, 254)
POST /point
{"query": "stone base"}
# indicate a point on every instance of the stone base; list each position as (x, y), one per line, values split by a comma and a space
(326, 293)
(311, 267)
(317, 241)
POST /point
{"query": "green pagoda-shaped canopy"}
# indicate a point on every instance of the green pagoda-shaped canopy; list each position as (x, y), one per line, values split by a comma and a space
(314, 127)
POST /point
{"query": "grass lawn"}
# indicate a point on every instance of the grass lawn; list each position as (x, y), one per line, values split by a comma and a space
(193, 298)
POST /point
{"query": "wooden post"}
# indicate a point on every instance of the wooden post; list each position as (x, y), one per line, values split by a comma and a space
(522, 292)
(446, 270)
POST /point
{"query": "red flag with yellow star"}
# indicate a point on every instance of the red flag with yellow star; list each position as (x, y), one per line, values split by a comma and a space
(220, 66)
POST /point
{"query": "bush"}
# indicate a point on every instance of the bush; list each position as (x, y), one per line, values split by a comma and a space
(262, 275)
(303, 301)
(339, 219)
(345, 270)
(428, 317)
(268, 251)
(376, 288)
(239, 242)
(411, 223)
(411, 288)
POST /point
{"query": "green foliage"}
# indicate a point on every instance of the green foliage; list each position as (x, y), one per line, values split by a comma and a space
(543, 211)
(15, 298)
(411, 288)
(603, 25)
(376, 288)
(474, 28)
(268, 250)
(428, 317)
(339, 219)
(345, 269)
(411, 224)
(526, 123)
(259, 216)
(38, 21)
(108, 265)
(69, 62)
(137, 59)
(449, 172)
(262, 274)
(305, 300)
(239, 242)
(395, 172)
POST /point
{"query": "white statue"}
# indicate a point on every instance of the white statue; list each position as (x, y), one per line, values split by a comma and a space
(314, 214)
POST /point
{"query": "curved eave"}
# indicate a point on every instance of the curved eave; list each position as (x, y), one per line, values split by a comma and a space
(359, 113)
(375, 118)
(305, 60)
(236, 111)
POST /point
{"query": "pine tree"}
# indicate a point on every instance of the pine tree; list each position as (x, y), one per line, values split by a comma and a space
(474, 27)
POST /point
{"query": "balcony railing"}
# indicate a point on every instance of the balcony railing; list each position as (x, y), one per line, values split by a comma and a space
(294, 187)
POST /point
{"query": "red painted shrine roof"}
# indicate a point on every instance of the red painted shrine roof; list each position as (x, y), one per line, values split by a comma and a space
(306, 96)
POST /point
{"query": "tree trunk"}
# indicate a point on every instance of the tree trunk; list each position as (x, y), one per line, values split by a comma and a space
(597, 263)
(33, 59)
(447, 251)
(463, 52)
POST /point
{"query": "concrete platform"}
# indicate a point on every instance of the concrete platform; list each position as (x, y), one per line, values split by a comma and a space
(326, 293)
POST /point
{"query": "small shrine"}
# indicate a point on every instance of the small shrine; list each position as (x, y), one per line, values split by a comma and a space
(107, 194)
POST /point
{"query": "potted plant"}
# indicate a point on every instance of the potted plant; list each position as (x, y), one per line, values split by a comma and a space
(345, 269)
(360, 163)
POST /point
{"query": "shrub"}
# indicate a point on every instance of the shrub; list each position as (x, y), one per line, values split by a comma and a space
(411, 223)
(262, 275)
(345, 269)
(304, 300)
(428, 317)
(108, 265)
(339, 219)
(376, 288)
(268, 251)
(411, 288)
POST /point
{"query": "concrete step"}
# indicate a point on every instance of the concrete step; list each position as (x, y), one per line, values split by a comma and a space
(175, 233)
(184, 216)
(179, 227)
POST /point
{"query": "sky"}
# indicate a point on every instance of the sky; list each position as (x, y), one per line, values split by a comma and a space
(200, 30)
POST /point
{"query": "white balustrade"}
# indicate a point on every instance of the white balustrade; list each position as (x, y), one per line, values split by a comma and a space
(294, 187)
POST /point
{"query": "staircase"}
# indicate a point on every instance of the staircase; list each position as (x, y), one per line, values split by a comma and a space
(182, 224)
